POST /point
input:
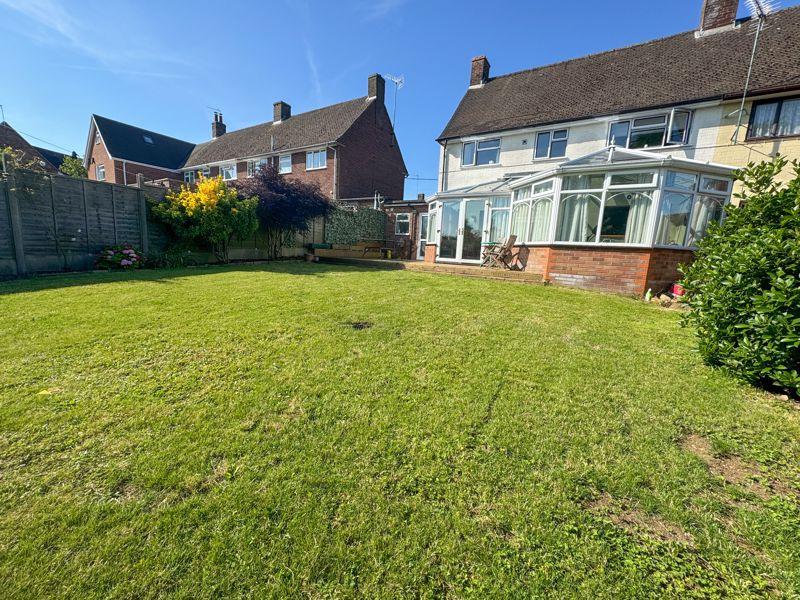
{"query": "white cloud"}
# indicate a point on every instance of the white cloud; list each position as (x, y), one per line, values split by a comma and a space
(378, 9)
(55, 24)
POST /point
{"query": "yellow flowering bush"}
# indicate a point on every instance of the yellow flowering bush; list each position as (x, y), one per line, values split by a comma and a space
(211, 213)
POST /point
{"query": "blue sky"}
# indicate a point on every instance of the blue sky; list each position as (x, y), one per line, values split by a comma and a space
(166, 65)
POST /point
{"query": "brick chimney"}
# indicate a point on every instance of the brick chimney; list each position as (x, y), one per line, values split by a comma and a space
(718, 13)
(480, 71)
(281, 111)
(217, 127)
(376, 87)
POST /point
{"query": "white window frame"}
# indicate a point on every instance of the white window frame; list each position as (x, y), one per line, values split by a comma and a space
(229, 168)
(696, 191)
(530, 201)
(188, 177)
(313, 155)
(406, 218)
(669, 121)
(550, 132)
(98, 169)
(281, 169)
(96, 137)
(474, 162)
(256, 164)
(655, 205)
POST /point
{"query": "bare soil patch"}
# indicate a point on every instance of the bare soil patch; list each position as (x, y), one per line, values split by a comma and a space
(636, 521)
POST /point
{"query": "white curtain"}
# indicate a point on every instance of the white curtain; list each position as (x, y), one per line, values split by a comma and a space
(519, 219)
(578, 218)
(789, 123)
(706, 209)
(540, 220)
(674, 219)
(637, 218)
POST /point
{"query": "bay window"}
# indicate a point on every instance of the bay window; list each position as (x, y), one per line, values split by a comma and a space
(486, 152)
(664, 129)
(551, 144)
(775, 118)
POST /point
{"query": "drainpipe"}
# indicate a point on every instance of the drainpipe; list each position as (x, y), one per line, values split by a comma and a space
(124, 173)
(444, 167)
(335, 173)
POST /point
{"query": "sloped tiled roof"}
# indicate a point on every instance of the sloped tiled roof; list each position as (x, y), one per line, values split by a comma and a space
(311, 128)
(673, 70)
(10, 137)
(126, 142)
(51, 156)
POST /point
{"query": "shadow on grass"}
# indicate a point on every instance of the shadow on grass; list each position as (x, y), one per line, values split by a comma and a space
(50, 281)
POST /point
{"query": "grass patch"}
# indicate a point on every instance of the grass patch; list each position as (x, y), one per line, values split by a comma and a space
(212, 432)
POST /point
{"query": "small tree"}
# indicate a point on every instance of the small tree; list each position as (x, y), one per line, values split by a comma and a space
(744, 286)
(212, 213)
(285, 207)
(73, 166)
(17, 159)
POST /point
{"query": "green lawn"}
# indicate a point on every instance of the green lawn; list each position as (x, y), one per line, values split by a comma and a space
(227, 432)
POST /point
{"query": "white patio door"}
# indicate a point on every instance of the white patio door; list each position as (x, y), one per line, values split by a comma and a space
(423, 235)
(462, 230)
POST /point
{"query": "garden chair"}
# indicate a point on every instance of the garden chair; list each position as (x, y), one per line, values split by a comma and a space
(499, 255)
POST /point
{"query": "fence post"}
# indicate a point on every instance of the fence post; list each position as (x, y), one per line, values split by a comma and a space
(142, 214)
(16, 224)
(114, 211)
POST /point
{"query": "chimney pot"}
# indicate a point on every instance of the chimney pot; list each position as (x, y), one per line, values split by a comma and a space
(480, 71)
(421, 197)
(376, 87)
(218, 128)
(718, 13)
(281, 111)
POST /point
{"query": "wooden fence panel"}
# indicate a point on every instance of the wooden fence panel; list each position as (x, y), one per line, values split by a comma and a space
(100, 215)
(8, 263)
(127, 207)
(70, 217)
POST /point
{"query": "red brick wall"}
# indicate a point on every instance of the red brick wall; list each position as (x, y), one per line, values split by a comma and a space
(532, 258)
(430, 253)
(98, 155)
(404, 246)
(370, 159)
(620, 270)
(663, 271)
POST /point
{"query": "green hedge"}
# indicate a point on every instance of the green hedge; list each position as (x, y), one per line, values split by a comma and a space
(351, 227)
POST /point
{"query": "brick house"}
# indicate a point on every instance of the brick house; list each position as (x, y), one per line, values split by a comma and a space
(348, 148)
(609, 168)
(9, 137)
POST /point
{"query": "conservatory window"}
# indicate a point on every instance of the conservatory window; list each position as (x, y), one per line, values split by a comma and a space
(519, 213)
(673, 220)
(625, 217)
(578, 217)
(686, 212)
(707, 209)
(499, 209)
(541, 209)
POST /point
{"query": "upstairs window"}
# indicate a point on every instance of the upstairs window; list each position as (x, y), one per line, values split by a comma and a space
(402, 224)
(667, 129)
(100, 172)
(551, 144)
(188, 177)
(486, 152)
(285, 164)
(96, 137)
(205, 172)
(775, 118)
(147, 139)
(228, 172)
(316, 159)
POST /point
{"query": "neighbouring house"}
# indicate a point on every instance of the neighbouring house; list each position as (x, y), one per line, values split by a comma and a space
(407, 227)
(608, 168)
(10, 138)
(53, 157)
(349, 149)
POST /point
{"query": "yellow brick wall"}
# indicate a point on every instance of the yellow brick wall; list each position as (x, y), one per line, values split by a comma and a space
(744, 152)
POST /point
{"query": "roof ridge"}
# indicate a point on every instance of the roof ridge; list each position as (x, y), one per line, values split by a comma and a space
(308, 112)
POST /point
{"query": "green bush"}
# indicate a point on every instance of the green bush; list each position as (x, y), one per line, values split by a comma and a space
(350, 227)
(744, 286)
(123, 256)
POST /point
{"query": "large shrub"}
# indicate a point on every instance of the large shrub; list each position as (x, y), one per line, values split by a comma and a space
(744, 286)
(211, 213)
(285, 206)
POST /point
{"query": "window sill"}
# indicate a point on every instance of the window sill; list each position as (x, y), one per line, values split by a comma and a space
(481, 166)
(317, 168)
(287, 172)
(771, 138)
(549, 159)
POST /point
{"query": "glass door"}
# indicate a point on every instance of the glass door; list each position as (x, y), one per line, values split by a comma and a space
(472, 229)
(423, 236)
(449, 237)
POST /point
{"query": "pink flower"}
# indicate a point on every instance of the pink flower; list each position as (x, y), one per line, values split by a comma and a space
(125, 262)
(127, 251)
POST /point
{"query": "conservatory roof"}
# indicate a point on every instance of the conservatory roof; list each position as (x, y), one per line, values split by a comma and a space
(614, 158)
(496, 187)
